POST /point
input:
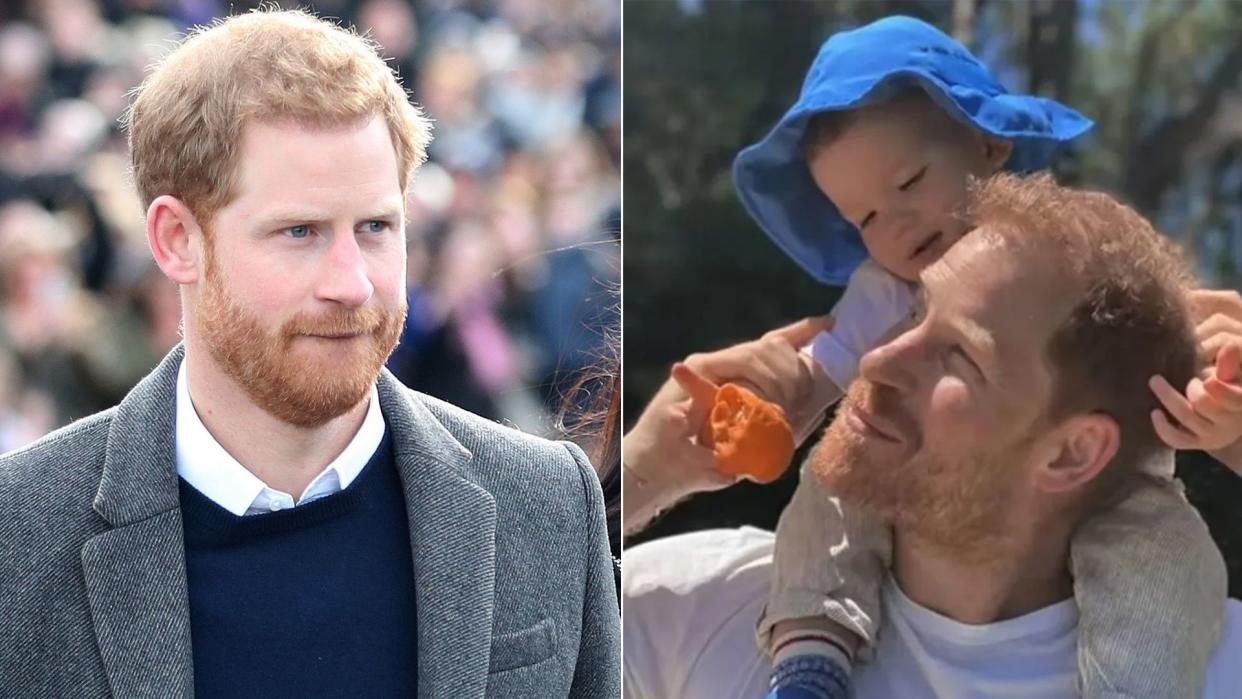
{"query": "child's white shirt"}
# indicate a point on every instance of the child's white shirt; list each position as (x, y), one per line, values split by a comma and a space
(873, 302)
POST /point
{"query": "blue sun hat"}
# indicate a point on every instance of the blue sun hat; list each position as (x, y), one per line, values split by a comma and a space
(871, 64)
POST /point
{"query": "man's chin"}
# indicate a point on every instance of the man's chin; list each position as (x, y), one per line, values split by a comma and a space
(306, 372)
(310, 407)
(850, 467)
(322, 353)
(958, 506)
(317, 380)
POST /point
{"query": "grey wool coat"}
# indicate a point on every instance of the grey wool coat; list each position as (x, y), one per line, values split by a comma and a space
(514, 586)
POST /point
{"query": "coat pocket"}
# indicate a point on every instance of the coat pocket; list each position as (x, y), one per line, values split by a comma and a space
(525, 647)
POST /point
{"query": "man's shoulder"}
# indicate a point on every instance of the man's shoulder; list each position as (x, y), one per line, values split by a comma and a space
(506, 457)
(548, 500)
(58, 463)
(47, 494)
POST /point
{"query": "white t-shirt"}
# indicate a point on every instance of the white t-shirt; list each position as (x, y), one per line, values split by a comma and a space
(873, 302)
(690, 604)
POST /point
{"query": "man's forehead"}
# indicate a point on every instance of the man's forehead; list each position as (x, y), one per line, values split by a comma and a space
(1003, 291)
(981, 335)
(290, 171)
(987, 261)
(294, 213)
(978, 263)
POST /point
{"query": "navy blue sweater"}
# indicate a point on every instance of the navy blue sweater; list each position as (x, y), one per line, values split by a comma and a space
(313, 601)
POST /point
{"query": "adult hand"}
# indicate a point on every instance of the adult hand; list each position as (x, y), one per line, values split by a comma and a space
(664, 459)
(773, 367)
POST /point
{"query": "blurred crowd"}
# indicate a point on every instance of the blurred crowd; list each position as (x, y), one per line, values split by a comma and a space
(514, 223)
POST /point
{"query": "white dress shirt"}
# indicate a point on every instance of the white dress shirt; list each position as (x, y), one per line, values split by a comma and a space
(691, 603)
(212, 471)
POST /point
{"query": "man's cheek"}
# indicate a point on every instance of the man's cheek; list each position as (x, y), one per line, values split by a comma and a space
(390, 289)
(276, 297)
(952, 409)
(389, 273)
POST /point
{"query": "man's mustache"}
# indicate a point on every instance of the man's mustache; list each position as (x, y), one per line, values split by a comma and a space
(883, 403)
(342, 321)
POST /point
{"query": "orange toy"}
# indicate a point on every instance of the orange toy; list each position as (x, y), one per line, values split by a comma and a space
(749, 436)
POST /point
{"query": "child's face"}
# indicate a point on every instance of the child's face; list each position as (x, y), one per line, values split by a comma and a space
(899, 173)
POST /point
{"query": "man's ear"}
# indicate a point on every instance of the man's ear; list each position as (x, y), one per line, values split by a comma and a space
(175, 238)
(996, 151)
(1078, 450)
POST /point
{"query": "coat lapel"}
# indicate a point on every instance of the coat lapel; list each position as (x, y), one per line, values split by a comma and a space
(453, 536)
(135, 572)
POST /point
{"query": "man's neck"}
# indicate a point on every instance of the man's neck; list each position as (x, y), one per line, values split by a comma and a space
(1020, 575)
(284, 456)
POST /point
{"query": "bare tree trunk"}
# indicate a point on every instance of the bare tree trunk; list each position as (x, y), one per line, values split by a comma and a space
(1156, 160)
(1050, 47)
(963, 20)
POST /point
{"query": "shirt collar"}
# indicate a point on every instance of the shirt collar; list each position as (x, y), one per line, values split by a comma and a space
(212, 471)
(1050, 622)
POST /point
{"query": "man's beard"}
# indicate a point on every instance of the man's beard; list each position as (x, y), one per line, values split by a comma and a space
(266, 364)
(959, 505)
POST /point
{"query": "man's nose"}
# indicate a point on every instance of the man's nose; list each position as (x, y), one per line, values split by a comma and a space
(343, 278)
(895, 363)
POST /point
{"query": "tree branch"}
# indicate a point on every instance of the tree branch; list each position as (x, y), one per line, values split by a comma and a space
(1156, 161)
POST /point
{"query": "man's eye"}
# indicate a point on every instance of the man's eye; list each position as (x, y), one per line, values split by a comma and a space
(913, 180)
(376, 226)
(298, 231)
(964, 359)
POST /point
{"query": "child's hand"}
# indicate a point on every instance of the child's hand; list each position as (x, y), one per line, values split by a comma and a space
(1218, 321)
(1209, 415)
